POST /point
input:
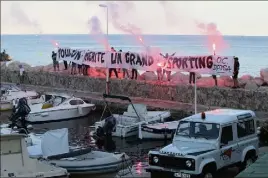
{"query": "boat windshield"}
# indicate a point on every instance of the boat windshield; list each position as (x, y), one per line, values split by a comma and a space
(198, 130)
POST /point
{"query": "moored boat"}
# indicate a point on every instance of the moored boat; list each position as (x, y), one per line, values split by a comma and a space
(15, 161)
(128, 123)
(159, 131)
(58, 108)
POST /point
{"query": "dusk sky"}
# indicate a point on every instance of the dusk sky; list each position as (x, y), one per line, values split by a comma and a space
(152, 17)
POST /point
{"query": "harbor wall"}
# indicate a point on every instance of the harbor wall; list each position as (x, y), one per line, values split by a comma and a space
(215, 97)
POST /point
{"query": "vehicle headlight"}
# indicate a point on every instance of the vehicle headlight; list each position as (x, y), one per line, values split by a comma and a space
(155, 159)
(188, 163)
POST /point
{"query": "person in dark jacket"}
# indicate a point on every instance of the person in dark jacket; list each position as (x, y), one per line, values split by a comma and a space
(65, 65)
(55, 62)
(236, 71)
(192, 77)
(22, 110)
(113, 69)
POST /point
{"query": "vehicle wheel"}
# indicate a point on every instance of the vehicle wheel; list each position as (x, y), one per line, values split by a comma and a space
(250, 159)
(207, 174)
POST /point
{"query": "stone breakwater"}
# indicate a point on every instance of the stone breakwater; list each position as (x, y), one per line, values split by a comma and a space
(256, 100)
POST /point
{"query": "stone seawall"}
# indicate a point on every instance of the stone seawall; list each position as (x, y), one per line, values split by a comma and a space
(219, 97)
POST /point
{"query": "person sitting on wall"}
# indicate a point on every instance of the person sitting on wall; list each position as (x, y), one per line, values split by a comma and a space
(55, 62)
(236, 71)
(113, 69)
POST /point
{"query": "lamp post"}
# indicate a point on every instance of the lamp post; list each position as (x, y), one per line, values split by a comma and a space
(107, 31)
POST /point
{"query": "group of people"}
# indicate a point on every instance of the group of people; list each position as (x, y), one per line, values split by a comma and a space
(162, 69)
(235, 74)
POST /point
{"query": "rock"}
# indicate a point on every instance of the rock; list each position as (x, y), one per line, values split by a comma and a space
(179, 77)
(259, 81)
(251, 85)
(264, 74)
(15, 66)
(148, 76)
(247, 77)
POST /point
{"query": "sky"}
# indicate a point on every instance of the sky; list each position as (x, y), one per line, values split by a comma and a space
(248, 18)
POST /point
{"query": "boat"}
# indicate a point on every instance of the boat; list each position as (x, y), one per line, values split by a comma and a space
(55, 150)
(159, 131)
(15, 161)
(128, 124)
(11, 94)
(60, 107)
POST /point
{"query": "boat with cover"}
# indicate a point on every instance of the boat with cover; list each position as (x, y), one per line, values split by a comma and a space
(59, 107)
(159, 131)
(129, 123)
(55, 150)
(15, 161)
(10, 95)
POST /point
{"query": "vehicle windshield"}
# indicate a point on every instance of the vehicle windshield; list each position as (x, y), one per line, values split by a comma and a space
(198, 130)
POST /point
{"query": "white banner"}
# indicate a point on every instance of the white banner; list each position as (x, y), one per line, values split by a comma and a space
(210, 64)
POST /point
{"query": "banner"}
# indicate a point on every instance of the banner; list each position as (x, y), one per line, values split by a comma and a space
(210, 64)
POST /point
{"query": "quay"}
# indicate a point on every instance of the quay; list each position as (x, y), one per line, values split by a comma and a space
(257, 169)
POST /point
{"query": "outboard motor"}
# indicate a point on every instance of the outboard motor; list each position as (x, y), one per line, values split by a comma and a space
(109, 125)
(19, 114)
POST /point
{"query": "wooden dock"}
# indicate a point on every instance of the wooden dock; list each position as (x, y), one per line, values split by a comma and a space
(257, 170)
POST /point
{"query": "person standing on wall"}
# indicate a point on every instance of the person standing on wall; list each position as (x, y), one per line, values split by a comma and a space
(79, 69)
(168, 69)
(134, 74)
(166, 57)
(55, 62)
(73, 69)
(125, 71)
(192, 77)
(236, 71)
(215, 79)
(65, 65)
(113, 69)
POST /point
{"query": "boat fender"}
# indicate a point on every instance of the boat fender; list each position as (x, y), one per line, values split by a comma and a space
(94, 108)
(80, 110)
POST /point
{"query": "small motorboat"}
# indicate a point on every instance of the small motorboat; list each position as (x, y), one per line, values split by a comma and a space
(159, 131)
(10, 95)
(128, 123)
(58, 108)
(55, 150)
(15, 161)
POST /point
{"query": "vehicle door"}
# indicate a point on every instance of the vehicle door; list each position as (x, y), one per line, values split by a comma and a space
(227, 146)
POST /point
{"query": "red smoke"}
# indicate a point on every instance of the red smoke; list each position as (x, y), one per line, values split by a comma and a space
(214, 36)
(95, 30)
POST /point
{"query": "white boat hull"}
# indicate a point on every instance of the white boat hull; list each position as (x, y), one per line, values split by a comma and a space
(58, 114)
(5, 105)
(155, 136)
(132, 129)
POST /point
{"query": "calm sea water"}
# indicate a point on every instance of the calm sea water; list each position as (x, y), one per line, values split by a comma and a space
(36, 49)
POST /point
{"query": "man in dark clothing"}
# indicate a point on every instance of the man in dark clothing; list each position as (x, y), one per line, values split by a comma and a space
(192, 77)
(55, 62)
(134, 74)
(65, 65)
(236, 71)
(215, 79)
(113, 69)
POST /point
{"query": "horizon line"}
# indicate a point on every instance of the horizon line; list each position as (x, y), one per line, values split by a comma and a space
(113, 34)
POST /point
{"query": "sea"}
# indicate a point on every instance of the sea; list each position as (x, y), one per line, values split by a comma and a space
(36, 49)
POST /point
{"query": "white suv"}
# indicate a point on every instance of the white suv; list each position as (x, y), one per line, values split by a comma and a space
(206, 142)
